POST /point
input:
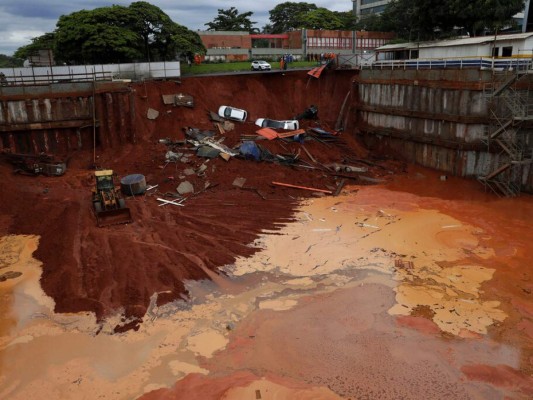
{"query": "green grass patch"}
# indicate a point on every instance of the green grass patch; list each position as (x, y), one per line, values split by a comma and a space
(211, 68)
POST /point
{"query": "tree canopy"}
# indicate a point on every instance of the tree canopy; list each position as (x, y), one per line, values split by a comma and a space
(287, 16)
(46, 41)
(231, 20)
(430, 19)
(112, 34)
(320, 18)
(10, 62)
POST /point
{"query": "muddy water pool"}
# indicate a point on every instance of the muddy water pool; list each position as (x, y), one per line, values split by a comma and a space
(378, 293)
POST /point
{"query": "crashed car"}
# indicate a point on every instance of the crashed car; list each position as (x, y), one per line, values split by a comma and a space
(232, 113)
(272, 123)
(310, 113)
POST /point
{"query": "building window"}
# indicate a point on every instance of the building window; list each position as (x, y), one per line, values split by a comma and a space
(507, 51)
(414, 54)
(372, 10)
(496, 52)
(329, 42)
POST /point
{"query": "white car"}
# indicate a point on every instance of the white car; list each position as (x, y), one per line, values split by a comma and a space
(232, 113)
(272, 123)
(260, 65)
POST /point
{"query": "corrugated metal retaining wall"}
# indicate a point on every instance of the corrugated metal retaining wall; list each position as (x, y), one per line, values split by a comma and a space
(435, 118)
(60, 121)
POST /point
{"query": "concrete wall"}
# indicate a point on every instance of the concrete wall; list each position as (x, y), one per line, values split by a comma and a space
(435, 118)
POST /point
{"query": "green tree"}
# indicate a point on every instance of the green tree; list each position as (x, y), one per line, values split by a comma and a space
(417, 19)
(231, 20)
(117, 34)
(43, 42)
(477, 15)
(431, 19)
(154, 26)
(102, 35)
(186, 42)
(287, 16)
(321, 18)
(10, 62)
(347, 18)
(371, 22)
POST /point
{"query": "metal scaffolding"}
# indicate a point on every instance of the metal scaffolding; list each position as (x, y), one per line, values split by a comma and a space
(510, 106)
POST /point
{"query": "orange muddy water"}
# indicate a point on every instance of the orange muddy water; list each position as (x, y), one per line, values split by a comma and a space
(418, 289)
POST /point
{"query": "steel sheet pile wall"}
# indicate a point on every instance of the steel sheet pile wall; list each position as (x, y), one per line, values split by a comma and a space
(60, 121)
(435, 118)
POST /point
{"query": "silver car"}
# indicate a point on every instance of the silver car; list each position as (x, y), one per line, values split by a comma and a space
(291, 124)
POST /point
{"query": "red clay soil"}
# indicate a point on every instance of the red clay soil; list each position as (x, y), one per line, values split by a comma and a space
(86, 268)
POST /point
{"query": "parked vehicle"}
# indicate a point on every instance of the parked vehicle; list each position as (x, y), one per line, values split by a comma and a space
(232, 113)
(272, 123)
(261, 65)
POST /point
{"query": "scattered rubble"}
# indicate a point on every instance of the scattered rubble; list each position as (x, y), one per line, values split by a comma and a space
(152, 114)
(31, 164)
(185, 188)
(180, 99)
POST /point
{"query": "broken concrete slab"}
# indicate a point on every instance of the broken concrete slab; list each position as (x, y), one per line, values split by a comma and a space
(219, 146)
(188, 171)
(171, 156)
(239, 182)
(215, 117)
(228, 126)
(198, 134)
(207, 151)
(185, 188)
(180, 99)
(152, 114)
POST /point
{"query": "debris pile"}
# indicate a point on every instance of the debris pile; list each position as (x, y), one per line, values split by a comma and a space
(312, 158)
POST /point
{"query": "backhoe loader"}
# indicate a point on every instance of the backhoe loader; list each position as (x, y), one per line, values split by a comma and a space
(109, 205)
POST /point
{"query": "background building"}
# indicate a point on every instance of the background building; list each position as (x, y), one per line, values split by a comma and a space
(302, 44)
(366, 7)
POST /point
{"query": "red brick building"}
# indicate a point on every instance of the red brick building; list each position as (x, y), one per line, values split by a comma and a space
(230, 46)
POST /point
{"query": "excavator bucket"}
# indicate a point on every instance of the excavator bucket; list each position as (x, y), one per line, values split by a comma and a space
(114, 217)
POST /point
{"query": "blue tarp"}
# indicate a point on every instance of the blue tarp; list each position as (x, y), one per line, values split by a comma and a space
(250, 150)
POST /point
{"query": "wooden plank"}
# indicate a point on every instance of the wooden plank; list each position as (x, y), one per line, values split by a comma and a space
(309, 154)
(174, 203)
(302, 187)
(220, 128)
(339, 187)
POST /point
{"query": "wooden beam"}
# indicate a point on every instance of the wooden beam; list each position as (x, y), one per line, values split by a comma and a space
(302, 187)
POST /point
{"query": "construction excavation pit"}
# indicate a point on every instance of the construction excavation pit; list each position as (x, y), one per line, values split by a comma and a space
(183, 254)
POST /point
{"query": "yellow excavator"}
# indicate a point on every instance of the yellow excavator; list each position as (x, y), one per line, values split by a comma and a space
(109, 205)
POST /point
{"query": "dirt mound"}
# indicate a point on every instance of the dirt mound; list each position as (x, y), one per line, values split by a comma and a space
(105, 269)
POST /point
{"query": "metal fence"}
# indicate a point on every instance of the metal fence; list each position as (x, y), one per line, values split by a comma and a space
(84, 73)
(454, 63)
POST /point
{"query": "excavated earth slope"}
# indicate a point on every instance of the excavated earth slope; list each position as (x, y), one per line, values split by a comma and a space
(86, 268)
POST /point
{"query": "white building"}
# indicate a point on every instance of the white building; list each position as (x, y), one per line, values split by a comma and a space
(519, 45)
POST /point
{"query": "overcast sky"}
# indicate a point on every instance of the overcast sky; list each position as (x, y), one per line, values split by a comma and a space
(21, 20)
